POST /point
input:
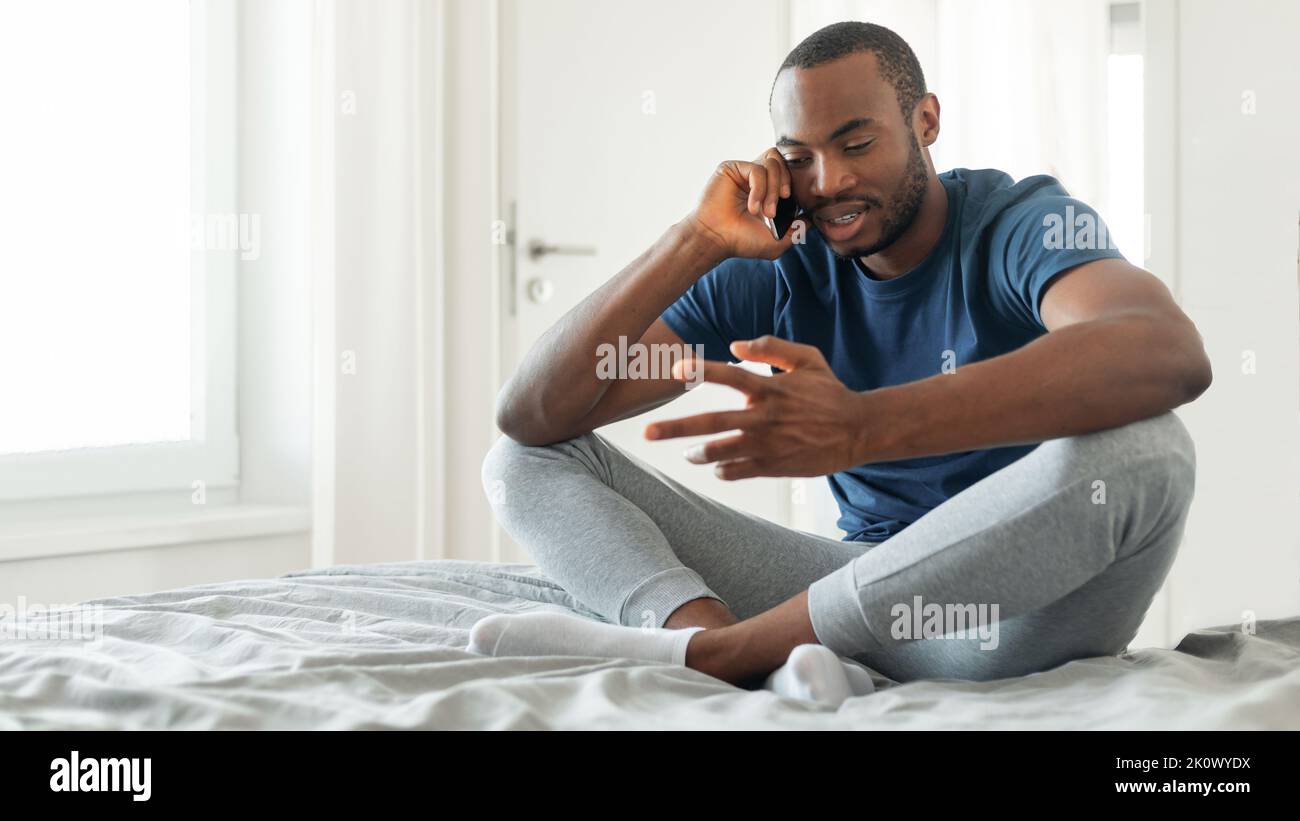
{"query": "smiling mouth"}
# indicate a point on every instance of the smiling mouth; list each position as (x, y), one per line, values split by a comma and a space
(844, 220)
(844, 226)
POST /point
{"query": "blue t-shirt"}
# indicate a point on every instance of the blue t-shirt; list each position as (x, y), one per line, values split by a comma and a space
(975, 296)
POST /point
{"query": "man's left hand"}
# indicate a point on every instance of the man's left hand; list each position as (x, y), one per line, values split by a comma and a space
(801, 422)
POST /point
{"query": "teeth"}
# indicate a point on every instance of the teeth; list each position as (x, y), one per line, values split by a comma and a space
(847, 218)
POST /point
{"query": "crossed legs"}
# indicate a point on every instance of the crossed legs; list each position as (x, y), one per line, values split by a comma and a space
(1062, 551)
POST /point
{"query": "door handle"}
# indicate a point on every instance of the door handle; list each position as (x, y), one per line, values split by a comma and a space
(538, 249)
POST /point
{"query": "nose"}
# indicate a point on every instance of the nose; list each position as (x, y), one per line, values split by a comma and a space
(831, 177)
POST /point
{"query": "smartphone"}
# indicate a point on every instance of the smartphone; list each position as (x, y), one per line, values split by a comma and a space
(786, 212)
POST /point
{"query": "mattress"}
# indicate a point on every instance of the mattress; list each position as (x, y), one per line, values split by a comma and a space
(381, 646)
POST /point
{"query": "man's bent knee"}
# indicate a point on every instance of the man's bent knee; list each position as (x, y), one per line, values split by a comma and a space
(1162, 440)
(499, 464)
(508, 461)
(1163, 434)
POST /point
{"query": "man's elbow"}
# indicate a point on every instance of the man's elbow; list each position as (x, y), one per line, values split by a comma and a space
(511, 420)
(1197, 374)
(524, 425)
(1198, 379)
(1177, 358)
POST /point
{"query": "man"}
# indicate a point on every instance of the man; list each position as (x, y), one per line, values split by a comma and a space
(927, 332)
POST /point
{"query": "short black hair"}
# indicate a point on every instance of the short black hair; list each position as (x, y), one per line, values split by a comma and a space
(897, 63)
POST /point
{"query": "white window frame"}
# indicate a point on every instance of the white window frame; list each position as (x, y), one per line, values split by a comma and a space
(211, 456)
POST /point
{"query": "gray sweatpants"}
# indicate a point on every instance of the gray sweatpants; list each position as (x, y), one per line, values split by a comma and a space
(1055, 557)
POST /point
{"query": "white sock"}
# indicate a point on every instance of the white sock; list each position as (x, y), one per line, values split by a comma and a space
(544, 633)
(860, 681)
(813, 672)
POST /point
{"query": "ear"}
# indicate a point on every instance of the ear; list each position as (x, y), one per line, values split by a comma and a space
(925, 120)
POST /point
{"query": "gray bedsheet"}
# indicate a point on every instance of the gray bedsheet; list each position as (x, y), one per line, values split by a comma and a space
(382, 646)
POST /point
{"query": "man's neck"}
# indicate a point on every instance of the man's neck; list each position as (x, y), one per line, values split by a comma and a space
(914, 244)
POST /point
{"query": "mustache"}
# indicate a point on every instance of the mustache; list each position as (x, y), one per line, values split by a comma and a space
(871, 202)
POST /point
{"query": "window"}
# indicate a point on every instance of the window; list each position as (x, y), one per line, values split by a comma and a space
(118, 276)
(1124, 206)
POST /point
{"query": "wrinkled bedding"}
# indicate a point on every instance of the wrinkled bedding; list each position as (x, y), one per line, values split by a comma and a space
(381, 646)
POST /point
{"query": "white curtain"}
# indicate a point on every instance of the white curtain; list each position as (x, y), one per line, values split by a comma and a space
(376, 480)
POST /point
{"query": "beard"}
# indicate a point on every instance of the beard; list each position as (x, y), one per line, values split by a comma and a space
(902, 208)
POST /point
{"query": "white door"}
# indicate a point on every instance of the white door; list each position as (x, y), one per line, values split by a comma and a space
(613, 116)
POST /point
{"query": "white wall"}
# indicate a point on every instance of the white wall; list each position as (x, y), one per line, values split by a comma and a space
(77, 578)
(1237, 238)
(470, 199)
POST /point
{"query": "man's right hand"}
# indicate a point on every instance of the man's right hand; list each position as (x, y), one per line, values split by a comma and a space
(734, 201)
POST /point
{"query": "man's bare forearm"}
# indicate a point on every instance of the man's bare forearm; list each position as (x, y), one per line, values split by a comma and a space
(1081, 378)
(557, 383)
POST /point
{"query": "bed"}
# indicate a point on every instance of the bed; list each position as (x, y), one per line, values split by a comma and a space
(381, 646)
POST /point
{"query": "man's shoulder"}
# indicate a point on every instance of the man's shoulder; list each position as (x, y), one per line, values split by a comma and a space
(737, 280)
(1001, 209)
(741, 269)
(988, 192)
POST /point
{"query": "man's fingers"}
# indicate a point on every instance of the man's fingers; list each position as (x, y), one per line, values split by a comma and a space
(778, 175)
(721, 373)
(740, 469)
(701, 424)
(732, 447)
(773, 164)
(782, 353)
(757, 189)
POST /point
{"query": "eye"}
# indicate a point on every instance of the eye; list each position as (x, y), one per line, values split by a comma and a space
(796, 162)
(859, 146)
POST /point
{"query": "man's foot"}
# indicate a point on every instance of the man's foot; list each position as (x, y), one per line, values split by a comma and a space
(813, 672)
(544, 633)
